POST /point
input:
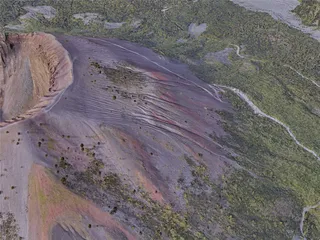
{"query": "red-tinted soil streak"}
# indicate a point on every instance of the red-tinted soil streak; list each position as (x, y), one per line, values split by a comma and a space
(131, 143)
(167, 95)
(136, 147)
(170, 98)
(193, 136)
(163, 119)
(169, 101)
(155, 194)
(187, 101)
(159, 76)
(50, 201)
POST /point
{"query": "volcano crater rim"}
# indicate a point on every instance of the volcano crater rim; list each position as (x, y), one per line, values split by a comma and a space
(35, 70)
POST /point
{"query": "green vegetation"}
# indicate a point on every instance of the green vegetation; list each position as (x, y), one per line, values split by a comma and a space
(309, 12)
(123, 76)
(63, 163)
(288, 177)
(8, 227)
(312, 223)
(10, 10)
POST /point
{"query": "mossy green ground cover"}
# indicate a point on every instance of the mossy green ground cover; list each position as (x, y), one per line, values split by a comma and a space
(309, 12)
(288, 178)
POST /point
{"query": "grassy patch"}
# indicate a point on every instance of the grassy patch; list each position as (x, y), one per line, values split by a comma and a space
(8, 227)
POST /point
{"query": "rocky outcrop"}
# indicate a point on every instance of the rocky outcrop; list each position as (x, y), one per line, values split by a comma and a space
(33, 13)
(196, 30)
(88, 18)
(47, 12)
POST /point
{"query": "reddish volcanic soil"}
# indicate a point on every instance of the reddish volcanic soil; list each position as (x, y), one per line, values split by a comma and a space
(106, 147)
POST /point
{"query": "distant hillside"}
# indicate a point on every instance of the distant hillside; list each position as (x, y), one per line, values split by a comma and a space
(309, 12)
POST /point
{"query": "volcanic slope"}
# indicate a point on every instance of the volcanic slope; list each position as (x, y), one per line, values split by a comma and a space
(117, 154)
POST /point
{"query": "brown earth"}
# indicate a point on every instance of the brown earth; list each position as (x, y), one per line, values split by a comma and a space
(34, 70)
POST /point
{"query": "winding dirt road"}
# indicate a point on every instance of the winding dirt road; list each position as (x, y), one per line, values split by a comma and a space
(257, 111)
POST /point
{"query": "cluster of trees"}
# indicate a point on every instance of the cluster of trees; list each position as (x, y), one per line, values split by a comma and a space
(112, 10)
(309, 12)
(11, 9)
